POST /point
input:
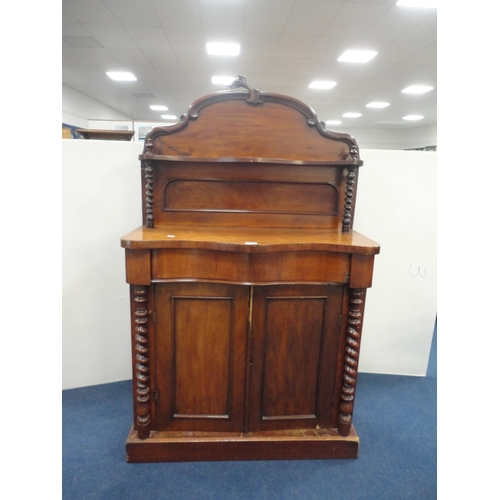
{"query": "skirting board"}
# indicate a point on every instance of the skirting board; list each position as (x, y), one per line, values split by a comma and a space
(304, 444)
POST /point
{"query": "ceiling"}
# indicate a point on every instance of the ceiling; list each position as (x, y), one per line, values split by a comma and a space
(285, 45)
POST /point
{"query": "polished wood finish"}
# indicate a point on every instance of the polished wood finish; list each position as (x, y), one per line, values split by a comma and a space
(201, 344)
(271, 445)
(140, 297)
(249, 240)
(248, 285)
(242, 194)
(295, 330)
(255, 268)
(138, 270)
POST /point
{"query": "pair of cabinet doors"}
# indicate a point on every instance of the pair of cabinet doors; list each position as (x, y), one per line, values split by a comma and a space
(237, 358)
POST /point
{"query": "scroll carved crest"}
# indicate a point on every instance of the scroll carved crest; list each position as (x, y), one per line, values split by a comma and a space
(241, 90)
(241, 81)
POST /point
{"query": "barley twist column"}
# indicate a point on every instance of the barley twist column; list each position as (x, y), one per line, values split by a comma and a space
(351, 358)
(150, 221)
(141, 361)
(347, 221)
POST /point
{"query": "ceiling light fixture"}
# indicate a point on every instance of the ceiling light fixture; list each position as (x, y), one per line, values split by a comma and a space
(121, 76)
(169, 117)
(223, 80)
(357, 56)
(158, 108)
(431, 4)
(333, 122)
(376, 104)
(351, 115)
(416, 89)
(322, 84)
(223, 49)
(412, 117)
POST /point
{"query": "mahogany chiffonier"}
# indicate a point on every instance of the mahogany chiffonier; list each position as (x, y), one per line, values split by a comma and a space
(247, 285)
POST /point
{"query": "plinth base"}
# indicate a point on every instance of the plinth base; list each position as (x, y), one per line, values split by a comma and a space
(301, 444)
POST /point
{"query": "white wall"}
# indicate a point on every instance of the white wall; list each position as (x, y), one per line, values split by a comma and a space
(102, 202)
(396, 206)
(421, 137)
(397, 139)
(78, 108)
(131, 125)
(85, 112)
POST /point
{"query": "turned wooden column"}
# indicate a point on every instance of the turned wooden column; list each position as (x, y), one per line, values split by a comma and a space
(348, 207)
(142, 389)
(351, 358)
(150, 220)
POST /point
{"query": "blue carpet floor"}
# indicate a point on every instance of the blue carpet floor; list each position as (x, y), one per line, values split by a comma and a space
(395, 418)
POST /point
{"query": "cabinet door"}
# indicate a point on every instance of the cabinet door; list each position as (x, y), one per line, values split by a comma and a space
(295, 336)
(200, 356)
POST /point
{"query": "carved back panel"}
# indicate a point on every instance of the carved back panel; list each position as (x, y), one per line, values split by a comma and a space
(249, 158)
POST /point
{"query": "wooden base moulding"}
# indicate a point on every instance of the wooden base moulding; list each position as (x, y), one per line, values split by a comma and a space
(270, 445)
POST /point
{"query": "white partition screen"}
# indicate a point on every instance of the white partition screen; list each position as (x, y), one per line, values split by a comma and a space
(396, 206)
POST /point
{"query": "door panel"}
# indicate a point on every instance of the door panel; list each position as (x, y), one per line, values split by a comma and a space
(201, 336)
(295, 332)
(292, 346)
(202, 356)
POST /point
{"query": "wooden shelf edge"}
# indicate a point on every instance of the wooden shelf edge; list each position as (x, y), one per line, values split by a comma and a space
(232, 446)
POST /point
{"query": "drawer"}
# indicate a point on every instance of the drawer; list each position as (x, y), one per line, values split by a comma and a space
(243, 267)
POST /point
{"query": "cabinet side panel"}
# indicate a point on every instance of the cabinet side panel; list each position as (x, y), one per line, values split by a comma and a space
(202, 340)
(292, 346)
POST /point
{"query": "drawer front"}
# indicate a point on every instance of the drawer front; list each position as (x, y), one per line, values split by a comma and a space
(234, 267)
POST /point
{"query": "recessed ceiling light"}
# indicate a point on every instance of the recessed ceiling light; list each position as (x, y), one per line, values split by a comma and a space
(223, 80)
(158, 108)
(223, 49)
(121, 76)
(412, 117)
(376, 104)
(333, 122)
(169, 117)
(359, 56)
(351, 115)
(431, 4)
(322, 84)
(417, 89)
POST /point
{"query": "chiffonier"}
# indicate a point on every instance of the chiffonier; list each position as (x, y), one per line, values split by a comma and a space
(247, 285)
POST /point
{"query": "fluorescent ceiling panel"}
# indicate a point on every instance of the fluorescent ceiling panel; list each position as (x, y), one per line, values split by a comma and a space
(121, 76)
(416, 89)
(357, 56)
(430, 4)
(412, 117)
(223, 80)
(223, 49)
(351, 115)
(158, 108)
(169, 117)
(377, 104)
(322, 84)
(333, 122)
